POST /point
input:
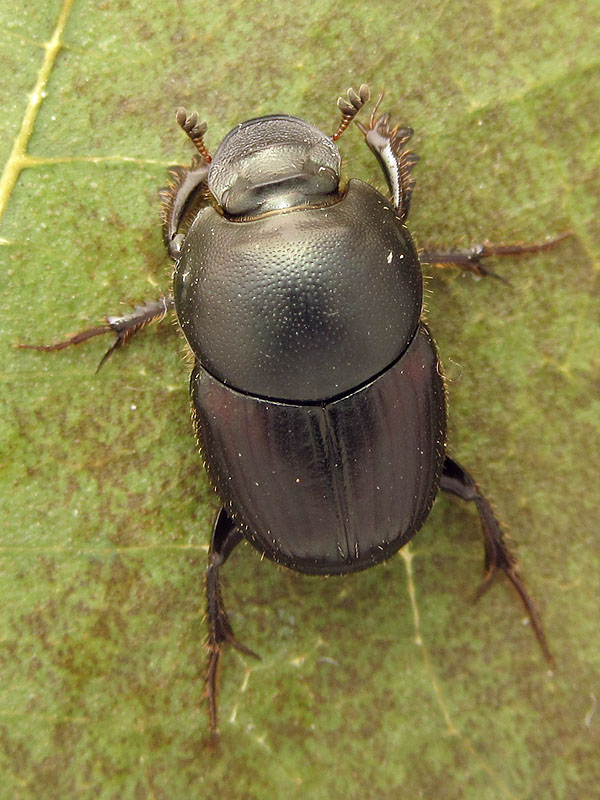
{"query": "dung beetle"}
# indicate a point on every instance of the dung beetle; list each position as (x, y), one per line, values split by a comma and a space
(317, 392)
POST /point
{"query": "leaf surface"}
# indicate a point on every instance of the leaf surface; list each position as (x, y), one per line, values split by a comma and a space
(386, 684)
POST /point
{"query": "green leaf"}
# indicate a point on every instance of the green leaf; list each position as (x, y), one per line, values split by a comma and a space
(387, 684)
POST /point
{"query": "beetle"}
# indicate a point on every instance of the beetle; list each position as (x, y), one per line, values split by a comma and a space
(317, 392)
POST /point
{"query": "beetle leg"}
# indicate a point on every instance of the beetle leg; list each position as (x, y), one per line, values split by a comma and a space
(456, 480)
(470, 259)
(388, 146)
(185, 184)
(225, 537)
(350, 106)
(124, 327)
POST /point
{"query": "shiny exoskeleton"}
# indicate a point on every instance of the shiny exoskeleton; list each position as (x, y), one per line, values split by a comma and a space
(318, 398)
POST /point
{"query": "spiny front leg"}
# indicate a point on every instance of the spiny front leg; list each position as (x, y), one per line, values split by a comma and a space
(397, 163)
(187, 185)
(498, 556)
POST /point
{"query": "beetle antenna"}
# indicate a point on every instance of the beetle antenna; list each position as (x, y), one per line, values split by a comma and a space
(350, 107)
(195, 130)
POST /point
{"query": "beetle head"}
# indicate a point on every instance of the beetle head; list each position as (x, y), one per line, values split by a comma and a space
(272, 163)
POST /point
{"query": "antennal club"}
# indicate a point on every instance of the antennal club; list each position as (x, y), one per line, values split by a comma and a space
(195, 130)
(350, 107)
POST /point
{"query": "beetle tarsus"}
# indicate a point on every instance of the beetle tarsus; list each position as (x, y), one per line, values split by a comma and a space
(470, 259)
(77, 338)
(225, 537)
(124, 327)
(498, 556)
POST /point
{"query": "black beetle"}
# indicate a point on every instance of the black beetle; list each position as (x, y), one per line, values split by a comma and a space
(318, 397)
